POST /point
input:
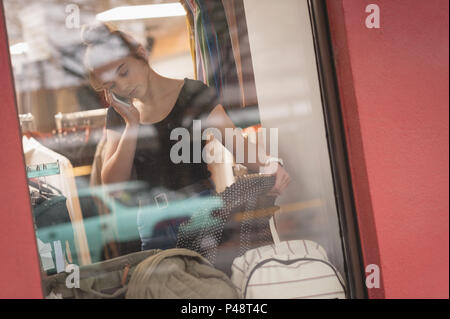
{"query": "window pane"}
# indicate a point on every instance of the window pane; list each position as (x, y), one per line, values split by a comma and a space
(155, 125)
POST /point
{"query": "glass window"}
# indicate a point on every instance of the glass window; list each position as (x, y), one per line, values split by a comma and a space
(150, 126)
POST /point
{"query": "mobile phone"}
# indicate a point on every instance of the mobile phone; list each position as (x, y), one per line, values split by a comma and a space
(121, 100)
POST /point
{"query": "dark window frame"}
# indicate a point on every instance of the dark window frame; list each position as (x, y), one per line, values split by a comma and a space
(337, 149)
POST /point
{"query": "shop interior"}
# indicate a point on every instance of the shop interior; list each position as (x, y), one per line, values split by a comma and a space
(265, 75)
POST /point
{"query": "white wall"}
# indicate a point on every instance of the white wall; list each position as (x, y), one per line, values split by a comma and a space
(177, 66)
(289, 98)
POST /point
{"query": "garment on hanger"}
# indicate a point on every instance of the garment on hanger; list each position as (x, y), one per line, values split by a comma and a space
(215, 55)
(235, 14)
(53, 224)
(36, 154)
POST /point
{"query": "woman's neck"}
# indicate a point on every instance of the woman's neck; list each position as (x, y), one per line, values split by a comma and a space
(161, 96)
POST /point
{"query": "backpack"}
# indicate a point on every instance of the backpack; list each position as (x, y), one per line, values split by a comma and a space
(287, 270)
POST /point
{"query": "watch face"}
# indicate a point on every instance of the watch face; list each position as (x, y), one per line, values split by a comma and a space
(274, 160)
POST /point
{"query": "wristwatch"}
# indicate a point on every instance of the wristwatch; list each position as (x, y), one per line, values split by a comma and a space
(274, 160)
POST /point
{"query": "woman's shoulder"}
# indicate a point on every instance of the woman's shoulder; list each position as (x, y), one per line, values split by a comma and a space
(198, 94)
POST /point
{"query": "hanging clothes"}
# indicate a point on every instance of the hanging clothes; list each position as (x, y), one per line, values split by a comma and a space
(36, 154)
(216, 50)
(53, 224)
(53, 227)
(237, 22)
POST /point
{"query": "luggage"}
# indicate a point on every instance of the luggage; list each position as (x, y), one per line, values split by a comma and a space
(287, 270)
(179, 274)
(172, 273)
(102, 280)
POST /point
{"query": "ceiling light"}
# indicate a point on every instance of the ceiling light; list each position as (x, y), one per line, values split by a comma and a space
(142, 12)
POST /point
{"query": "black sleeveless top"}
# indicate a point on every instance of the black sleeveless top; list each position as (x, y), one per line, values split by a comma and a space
(152, 160)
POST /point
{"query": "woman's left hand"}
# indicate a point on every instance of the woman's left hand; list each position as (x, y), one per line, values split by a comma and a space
(282, 178)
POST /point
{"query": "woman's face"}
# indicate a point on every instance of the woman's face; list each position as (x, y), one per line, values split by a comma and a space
(126, 77)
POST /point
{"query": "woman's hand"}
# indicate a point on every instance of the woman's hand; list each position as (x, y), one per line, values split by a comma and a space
(130, 113)
(282, 179)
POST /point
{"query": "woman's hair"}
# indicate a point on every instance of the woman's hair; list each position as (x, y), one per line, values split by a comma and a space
(105, 44)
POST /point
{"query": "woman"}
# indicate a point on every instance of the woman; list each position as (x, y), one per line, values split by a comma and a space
(118, 64)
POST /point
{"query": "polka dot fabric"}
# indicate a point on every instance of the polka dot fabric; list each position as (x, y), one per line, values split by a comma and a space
(218, 233)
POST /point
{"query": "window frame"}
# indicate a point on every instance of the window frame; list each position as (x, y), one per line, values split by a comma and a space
(27, 282)
(337, 149)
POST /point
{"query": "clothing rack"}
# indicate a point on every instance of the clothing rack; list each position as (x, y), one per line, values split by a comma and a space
(27, 123)
(77, 135)
(92, 119)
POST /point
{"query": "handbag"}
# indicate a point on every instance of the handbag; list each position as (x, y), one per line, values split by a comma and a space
(297, 269)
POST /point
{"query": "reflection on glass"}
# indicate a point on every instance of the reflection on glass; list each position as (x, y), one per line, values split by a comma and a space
(123, 124)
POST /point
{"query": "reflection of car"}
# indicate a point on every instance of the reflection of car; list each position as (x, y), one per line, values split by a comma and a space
(132, 211)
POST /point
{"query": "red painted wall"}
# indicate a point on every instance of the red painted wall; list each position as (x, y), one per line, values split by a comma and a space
(19, 266)
(394, 91)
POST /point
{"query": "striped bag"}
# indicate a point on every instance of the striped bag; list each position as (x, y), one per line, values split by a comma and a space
(287, 270)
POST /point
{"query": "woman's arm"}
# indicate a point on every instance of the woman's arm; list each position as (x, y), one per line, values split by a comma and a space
(219, 119)
(119, 155)
(120, 147)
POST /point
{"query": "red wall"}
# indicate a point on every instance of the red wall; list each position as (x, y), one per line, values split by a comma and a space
(393, 83)
(19, 266)
(394, 91)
